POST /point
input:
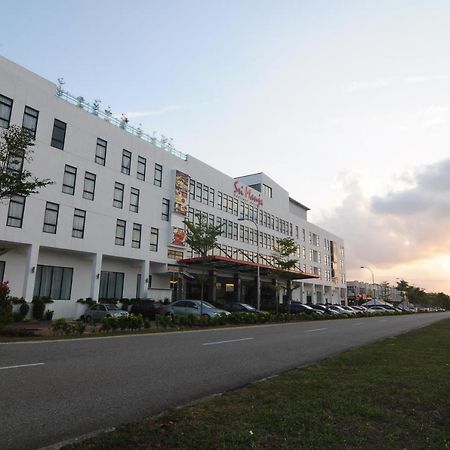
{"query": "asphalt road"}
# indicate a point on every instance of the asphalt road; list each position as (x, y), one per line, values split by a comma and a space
(57, 390)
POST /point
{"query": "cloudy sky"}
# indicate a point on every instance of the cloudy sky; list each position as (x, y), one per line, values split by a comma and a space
(345, 103)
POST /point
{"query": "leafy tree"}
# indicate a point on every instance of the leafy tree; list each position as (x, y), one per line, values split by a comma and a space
(202, 237)
(15, 150)
(5, 305)
(286, 247)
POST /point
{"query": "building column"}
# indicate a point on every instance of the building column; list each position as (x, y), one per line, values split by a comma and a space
(145, 273)
(30, 272)
(96, 270)
(237, 287)
(323, 294)
(275, 293)
(212, 279)
(314, 295)
(302, 292)
(289, 292)
(181, 286)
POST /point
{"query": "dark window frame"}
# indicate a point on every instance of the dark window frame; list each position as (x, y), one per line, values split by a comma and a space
(165, 211)
(92, 177)
(101, 148)
(120, 225)
(51, 211)
(141, 168)
(6, 104)
(52, 288)
(126, 162)
(78, 232)
(136, 243)
(68, 188)
(134, 199)
(57, 141)
(32, 113)
(118, 187)
(154, 236)
(158, 175)
(10, 218)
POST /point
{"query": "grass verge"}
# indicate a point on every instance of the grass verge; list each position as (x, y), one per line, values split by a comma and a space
(393, 394)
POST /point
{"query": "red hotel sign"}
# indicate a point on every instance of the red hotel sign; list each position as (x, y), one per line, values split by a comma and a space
(247, 192)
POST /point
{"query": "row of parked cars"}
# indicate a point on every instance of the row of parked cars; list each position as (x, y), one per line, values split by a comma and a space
(150, 309)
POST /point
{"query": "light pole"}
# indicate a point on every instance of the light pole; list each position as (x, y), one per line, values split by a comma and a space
(258, 278)
(373, 283)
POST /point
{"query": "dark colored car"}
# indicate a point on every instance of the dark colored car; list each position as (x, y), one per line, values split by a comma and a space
(148, 308)
(297, 308)
(240, 307)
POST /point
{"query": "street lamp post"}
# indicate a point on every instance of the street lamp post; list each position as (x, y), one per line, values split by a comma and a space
(373, 283)
(258, 277)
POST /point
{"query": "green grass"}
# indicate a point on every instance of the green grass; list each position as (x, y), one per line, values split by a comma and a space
(394, 394)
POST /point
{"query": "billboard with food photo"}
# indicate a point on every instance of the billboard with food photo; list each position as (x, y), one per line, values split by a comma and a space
(181, 193)
(178, 236)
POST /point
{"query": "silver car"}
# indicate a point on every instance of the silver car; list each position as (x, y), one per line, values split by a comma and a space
(96, 312)
(195, 307)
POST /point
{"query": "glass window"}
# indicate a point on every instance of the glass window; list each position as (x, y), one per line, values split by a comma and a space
(30, 120)
(120, 232)
(157, 179)
(54, 282)
(51, 217)
(136, 236)
(126, 162)
(89, 186)
(141, 168)
(205, 194)
(267, 190)
(118, 195)
(100, 152)
(165, 209)
(59, 134)
(134, 200)
(198, 192)
(79, 219)
(15, 211)
(2, 270)
(5, 111)
(69, 180)
(111, 285)
(154, 237)
(211, 197)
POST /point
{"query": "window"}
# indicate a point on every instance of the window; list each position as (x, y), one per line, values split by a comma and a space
(157, 179)
(191, 189)
(267, 191)
(89, 186)
(205, 194)
(2, 270)
(120, 232)
(5, 111)
(136, 236)
(111, 285)
(30, 120)
(165, 209)
(141, 168)
(69, 180)
(154, 237)
(126, 162)
(51, 217)
(53, 282)
(15, 211)
(79, 218)
(59, 134)
(118, 195)
(100, 152)
(198, 192)
(134, 200)
(211, 197)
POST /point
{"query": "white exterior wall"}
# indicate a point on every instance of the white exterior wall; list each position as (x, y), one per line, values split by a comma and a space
(29, 245)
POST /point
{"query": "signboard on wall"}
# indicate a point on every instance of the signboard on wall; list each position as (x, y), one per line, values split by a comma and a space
(248, 193)
(178, 236)
(181, 193)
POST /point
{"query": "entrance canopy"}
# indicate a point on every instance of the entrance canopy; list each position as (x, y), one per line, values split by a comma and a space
(236, 265)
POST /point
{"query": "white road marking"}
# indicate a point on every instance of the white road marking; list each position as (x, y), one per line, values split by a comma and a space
(22, 365)
(316, 329)
(226, 342)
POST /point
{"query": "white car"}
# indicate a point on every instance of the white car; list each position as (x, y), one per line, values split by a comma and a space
(195, 307)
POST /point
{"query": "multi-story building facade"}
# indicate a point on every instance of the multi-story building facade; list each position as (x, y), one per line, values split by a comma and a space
(360, 291)
(112, 223)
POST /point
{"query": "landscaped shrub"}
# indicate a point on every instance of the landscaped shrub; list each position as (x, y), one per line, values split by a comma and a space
(16, 332)
(22, 313)
(5, 304)
(63, 326)
(38, 309)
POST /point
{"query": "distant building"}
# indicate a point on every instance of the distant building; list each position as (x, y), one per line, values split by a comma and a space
(111, 225)
(360, 291)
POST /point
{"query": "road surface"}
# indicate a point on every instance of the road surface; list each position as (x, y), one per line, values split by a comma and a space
(57, 390)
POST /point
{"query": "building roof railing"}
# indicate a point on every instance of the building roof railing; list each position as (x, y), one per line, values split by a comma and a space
(163, 142)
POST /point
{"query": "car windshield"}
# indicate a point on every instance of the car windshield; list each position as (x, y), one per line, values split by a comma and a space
(113, 307)
(207, 305)
(250, 308)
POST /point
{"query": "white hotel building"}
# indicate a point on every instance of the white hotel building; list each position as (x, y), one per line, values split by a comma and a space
(111, 224)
